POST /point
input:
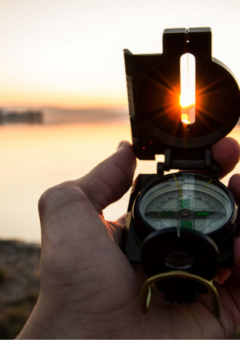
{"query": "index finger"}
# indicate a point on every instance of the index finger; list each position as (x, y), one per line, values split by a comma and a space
(226, 153)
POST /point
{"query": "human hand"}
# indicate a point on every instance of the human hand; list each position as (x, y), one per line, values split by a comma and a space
(88, 287)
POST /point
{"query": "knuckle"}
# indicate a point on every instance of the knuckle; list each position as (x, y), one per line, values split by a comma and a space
(51, 197)
(45, 198)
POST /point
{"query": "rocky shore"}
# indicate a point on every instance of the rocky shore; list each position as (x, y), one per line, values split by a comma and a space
(19, 285)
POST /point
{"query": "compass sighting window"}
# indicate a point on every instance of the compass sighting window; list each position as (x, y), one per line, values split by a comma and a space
(188, 91)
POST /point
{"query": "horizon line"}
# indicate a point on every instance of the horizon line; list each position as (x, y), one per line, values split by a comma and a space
(88, 108)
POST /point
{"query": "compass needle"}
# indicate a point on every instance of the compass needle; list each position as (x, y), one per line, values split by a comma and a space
(180, 191)
(207, 184)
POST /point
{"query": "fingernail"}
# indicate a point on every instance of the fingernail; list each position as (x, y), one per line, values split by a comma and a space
(120, 145)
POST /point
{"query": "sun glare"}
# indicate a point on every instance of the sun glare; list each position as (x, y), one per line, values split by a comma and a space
(187, 97)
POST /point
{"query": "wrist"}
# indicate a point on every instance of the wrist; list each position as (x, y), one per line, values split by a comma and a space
(48, 320)
(40, 323)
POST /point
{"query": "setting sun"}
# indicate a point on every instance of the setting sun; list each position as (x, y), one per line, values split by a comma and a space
(69, 53)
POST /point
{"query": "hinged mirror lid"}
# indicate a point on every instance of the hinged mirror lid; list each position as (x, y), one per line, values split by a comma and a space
(182, 98)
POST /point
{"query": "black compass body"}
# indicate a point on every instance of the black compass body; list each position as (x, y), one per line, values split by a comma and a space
(185, 221)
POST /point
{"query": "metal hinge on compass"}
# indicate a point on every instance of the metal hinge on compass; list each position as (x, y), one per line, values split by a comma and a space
(183, 161)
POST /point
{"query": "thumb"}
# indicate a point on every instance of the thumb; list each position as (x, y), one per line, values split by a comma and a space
(110, 180)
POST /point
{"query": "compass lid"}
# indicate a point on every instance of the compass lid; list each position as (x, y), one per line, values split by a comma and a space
(153, 84)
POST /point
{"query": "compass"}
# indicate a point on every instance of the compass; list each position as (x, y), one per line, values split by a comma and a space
(185, 200)
(180, 227)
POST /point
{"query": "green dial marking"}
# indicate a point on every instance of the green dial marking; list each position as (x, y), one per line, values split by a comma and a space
(203, 213)
(185, 203)
(167, 213)
(186, 224)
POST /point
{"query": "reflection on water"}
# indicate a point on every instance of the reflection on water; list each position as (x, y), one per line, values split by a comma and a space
(34, 158)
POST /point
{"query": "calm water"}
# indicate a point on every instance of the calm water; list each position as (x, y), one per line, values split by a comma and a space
(34, 158)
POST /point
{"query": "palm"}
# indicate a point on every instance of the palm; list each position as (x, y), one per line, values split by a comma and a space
(87, 277)
(112, 285)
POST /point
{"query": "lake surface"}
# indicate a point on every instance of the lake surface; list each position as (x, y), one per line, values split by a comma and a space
(36, 157)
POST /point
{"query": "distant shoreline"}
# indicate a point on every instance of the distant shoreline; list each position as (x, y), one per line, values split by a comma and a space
(56, 116)
(60, 116)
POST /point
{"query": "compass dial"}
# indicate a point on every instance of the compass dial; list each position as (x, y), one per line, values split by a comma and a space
(186, 200)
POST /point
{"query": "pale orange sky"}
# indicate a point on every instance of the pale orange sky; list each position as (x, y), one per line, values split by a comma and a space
(68, 53)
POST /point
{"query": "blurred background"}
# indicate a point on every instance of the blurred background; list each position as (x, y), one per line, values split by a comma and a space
(62, 60)
(63, 106)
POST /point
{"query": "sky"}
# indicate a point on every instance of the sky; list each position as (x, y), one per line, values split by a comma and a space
(69, 53)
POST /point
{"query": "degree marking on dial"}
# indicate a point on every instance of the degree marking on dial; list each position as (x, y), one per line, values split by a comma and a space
(180, 191)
